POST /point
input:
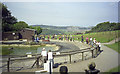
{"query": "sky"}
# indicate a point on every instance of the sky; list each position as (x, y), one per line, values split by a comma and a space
(83, 14)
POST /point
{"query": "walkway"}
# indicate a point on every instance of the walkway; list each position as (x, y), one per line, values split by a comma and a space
(113, 41)
(106, 60)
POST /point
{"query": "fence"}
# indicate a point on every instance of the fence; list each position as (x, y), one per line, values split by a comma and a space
(21, 62)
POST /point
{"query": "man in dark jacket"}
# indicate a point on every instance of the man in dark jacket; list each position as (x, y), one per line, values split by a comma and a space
(92, 69)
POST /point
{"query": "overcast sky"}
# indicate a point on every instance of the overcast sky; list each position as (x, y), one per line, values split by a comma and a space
(82, 14)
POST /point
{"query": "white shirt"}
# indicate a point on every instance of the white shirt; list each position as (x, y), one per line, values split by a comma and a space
(99, 44)
(91, 39)
(44, 53)
(94, 41)
(50, 55)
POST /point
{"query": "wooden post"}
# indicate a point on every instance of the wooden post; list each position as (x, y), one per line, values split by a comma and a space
(8, 64)
(70, 57)
(82, 56)
(96, 51)
(37, 64)
(92, 54)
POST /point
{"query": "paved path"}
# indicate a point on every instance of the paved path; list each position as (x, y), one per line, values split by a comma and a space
(106, 60)
(113, 41)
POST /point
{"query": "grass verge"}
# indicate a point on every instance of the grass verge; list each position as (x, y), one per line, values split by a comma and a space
(115, 46)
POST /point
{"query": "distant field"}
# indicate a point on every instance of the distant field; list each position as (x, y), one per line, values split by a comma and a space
(100, 36)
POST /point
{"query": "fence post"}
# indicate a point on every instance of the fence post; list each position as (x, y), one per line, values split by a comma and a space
(8, 64)
(37, 64)
(82, 56)
(96, 51)
(92, 53)
(70, 57)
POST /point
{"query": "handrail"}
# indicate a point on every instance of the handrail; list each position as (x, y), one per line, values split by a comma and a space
(37, 57)
(75, 52)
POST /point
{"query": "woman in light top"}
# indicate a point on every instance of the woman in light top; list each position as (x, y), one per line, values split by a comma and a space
(50, 57)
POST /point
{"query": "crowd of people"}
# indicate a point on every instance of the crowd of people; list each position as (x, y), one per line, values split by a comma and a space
(92, 42)
(59, 37)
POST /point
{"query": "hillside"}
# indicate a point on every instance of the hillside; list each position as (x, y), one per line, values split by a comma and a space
(51, 32)
(105, 26)
(62, 29)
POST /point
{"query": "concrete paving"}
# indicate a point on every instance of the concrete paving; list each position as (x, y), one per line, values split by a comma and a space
(105, 61)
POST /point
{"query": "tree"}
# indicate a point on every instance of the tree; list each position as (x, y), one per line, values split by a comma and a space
(7, 19)
(20, 25)
(38, 29)
(105, 26)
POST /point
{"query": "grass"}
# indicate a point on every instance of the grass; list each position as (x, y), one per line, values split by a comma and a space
(113, 70)
(103, 37)
(115, 46)
(116, 69)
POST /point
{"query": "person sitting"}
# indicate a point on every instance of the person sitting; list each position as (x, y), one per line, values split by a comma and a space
(63, 70)
(92, 69)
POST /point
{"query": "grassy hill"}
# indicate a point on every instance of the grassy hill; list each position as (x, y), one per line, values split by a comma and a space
(101, 36)
(105, 26)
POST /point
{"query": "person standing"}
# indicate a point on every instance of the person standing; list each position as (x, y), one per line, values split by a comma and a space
(90, 40)
(94, 41)
(50, 57)
(48, 37)
(44, 56)
(82, 39)
(87, 40)
(99, 46)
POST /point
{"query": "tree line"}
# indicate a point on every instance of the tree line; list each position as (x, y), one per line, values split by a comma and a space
(10, 23)
(105, 26)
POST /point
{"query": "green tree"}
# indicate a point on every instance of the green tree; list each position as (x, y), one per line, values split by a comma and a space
(20, 25)
(38, 29)
(105, 26)
(7, 19)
